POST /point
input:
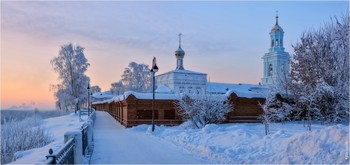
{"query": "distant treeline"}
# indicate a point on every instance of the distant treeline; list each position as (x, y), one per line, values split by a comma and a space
(19, 115)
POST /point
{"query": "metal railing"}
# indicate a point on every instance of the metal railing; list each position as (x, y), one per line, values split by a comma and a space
(65, 155)
(84, 133)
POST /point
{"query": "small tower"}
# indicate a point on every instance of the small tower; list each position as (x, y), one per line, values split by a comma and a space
(276, 60)
(179, 53)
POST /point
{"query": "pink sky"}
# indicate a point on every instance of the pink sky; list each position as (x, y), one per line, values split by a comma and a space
(226, 40)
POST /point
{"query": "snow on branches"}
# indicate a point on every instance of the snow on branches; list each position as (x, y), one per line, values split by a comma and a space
(136, 77)
(71, 65)
(202, 109)
(320, 71)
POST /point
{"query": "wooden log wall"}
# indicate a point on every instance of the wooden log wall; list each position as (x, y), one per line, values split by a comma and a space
(133, 111)
(245, 109)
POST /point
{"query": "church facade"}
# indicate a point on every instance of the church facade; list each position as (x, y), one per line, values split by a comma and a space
(134, 108)
(181, 80)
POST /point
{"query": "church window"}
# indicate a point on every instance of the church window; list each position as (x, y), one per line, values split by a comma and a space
(198, 90)
(270, 70)
(189, 89)
(272, 43)
(277, 42)
(182, 89)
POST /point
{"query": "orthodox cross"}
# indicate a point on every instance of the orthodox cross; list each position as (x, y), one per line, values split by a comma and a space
(180, 40)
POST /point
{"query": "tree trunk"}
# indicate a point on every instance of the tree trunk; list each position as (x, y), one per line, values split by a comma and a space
(267, 128)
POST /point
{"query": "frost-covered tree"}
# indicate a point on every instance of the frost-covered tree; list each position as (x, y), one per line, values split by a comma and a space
(202, 109)
(95, 89)
(276, 108)
(117, 88)
(320, 72)
(71, 64)
(137, 77)
(62, 98)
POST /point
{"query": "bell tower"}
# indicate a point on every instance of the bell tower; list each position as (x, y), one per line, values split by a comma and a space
(276, 60)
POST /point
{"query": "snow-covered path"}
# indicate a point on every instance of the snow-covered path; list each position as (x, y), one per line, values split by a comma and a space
(113, 144)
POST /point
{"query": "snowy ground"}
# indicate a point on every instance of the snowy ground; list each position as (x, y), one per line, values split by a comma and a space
(57, 126)
(223, 143)
(246, 143)
(113, 144)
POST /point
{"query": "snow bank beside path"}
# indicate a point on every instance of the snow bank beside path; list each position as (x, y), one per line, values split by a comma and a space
(246, 143)
(57, 126)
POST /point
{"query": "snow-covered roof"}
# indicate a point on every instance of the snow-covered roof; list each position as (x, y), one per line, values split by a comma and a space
(216, 89)
(138, 95)
(148, 96)
(183, 71)
(163, 89)
(241, 90)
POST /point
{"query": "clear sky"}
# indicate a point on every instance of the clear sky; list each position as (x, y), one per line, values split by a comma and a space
(225, 39)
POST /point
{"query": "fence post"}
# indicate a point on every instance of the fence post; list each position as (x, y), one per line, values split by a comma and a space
(78, 152)
(90, 132)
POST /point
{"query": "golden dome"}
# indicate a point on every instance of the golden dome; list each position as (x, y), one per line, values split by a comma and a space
(276, 28)
(179, 52)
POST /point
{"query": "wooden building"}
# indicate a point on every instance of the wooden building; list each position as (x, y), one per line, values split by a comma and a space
(133, 108)
(130, 110)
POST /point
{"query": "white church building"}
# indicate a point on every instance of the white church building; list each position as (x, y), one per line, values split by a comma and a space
(181, 80)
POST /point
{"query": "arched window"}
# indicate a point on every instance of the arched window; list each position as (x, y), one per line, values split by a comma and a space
(272, 43)
(277, 42)
(270, 70)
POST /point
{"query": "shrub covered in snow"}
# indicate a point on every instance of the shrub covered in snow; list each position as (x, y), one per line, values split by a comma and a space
(22, 135)
(203, 109)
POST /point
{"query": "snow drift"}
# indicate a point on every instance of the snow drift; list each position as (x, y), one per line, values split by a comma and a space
(246, 143)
